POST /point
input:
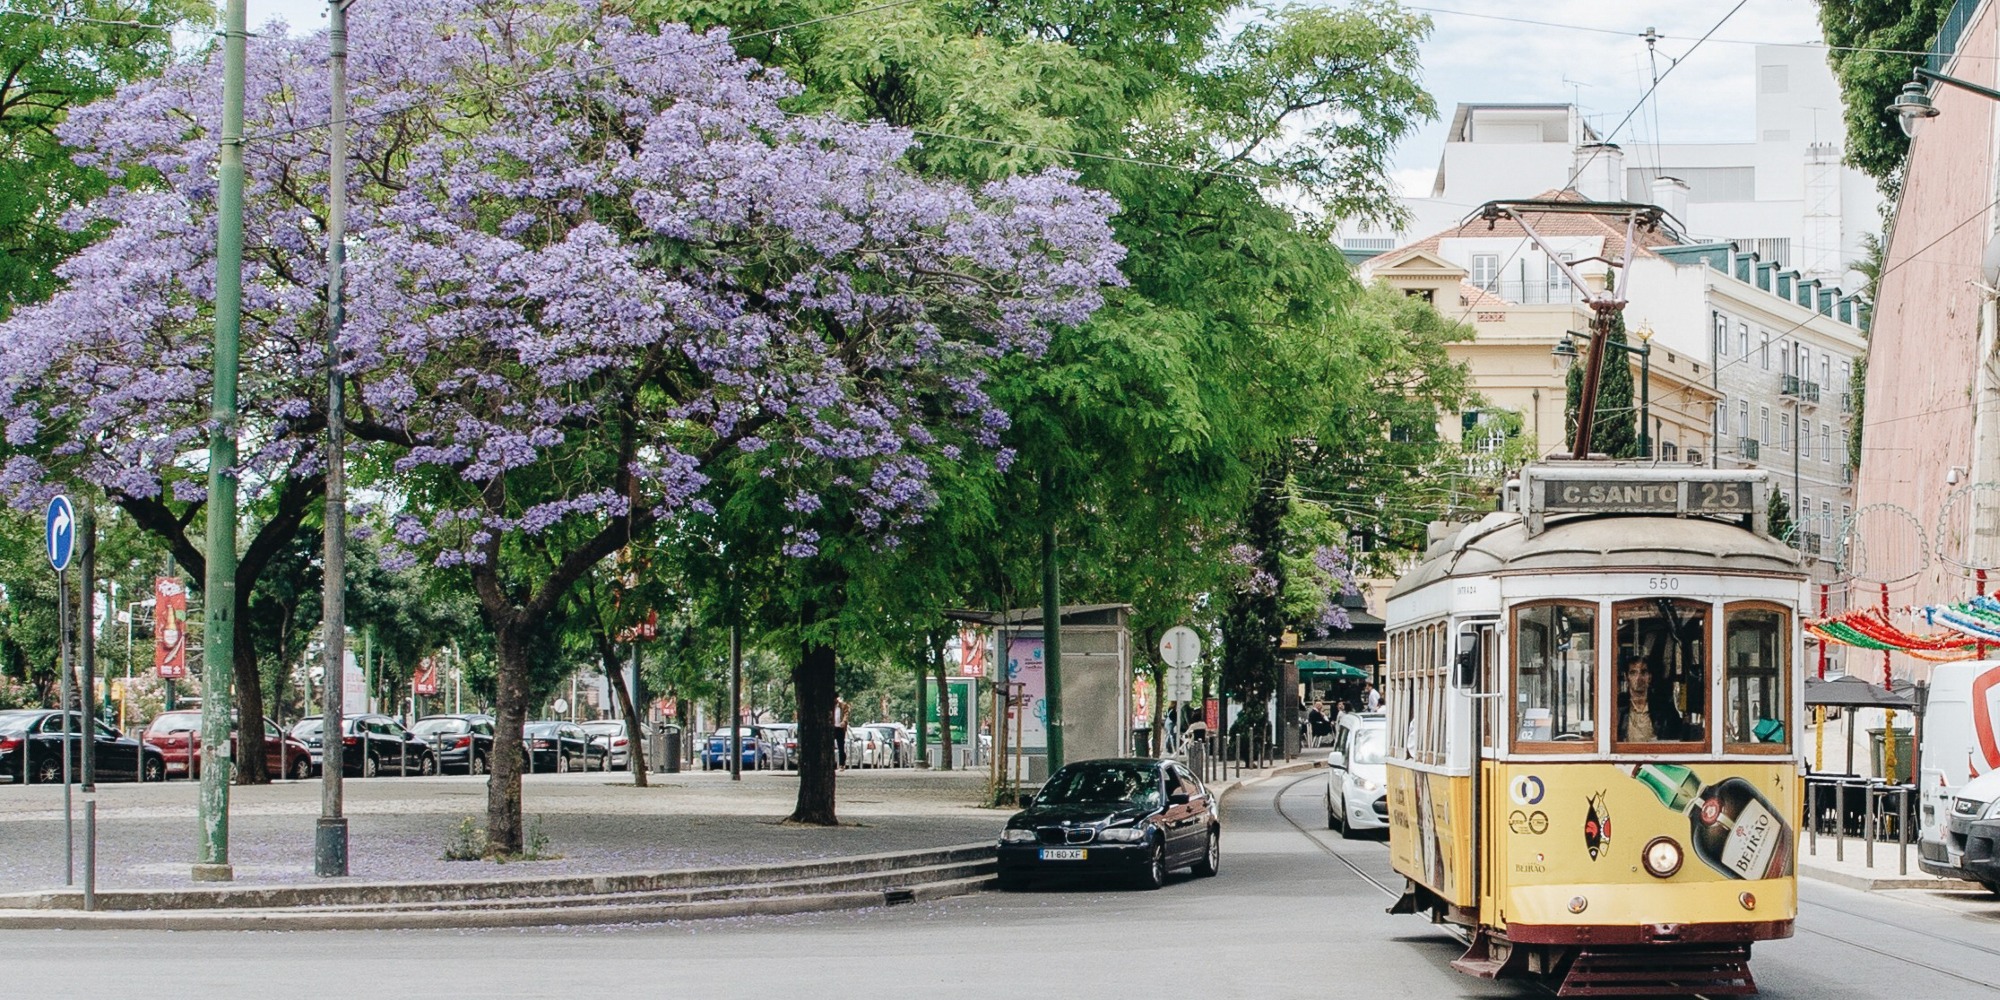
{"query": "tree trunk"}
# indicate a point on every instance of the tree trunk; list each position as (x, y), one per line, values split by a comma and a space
(944, 706)
(812, 679)
(250, 768)
(503, 785)
(614, 673)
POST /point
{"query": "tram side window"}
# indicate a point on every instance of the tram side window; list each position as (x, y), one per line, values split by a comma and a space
(1754, 663)
(1662, 670)
(1555, 673)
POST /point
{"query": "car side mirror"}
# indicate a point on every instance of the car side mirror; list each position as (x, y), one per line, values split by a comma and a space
(1027, 801)
(1177, 798)
(1335, 758)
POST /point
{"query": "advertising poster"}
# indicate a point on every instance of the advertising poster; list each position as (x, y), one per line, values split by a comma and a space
(962, 702)
(1025, 667)
(972, 649)
(1142, 703)
(170, 627)
(354, 689)
(425, 681)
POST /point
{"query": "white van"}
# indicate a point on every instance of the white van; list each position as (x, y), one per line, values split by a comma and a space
(1960, 744)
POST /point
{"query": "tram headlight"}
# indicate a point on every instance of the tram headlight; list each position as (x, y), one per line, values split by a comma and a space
(1662, 857)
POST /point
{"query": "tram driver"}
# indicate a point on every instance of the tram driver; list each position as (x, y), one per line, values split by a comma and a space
(1646, 712)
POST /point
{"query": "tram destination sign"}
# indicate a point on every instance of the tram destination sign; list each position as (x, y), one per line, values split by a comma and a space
(1664, 496)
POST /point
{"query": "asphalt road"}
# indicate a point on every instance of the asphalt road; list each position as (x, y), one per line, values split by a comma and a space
(1288, 917)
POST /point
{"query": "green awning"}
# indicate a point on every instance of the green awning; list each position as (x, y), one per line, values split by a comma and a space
(1314, 668)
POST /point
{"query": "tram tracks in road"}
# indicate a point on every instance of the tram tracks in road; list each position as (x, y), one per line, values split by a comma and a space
(1278, 802)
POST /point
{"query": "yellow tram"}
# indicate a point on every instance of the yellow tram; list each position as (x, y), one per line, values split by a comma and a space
(1591, 705)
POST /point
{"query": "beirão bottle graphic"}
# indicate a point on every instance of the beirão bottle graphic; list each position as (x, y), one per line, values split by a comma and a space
(1736, 831)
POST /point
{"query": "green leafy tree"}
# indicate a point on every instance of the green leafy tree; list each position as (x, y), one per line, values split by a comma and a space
(1870, 44)
(1778, 517)
(1615, 430)
(56, 55)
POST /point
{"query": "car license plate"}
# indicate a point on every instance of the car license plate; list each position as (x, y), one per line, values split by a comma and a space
(1064, 853)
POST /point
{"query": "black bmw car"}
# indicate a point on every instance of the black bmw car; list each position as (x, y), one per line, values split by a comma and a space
(1127, 819)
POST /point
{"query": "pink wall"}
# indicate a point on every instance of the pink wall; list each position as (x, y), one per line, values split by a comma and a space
(1924, 345)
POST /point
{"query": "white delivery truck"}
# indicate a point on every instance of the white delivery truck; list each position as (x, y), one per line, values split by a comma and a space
(1959, 776)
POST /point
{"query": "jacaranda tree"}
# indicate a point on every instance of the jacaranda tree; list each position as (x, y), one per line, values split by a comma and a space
(590, 263)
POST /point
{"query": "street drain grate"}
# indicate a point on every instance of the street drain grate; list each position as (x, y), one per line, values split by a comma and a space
(897, 897)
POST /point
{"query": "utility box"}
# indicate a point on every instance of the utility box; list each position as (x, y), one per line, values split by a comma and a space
(1096, 683)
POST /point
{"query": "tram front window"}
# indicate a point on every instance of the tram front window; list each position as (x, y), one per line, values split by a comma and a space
(1754, 665)
(1662, 671)
(1555, 674)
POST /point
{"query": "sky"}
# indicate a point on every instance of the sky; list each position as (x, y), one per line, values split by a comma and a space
(1589, 51)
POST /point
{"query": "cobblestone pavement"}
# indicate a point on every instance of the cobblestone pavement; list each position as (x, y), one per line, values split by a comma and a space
(399, 828)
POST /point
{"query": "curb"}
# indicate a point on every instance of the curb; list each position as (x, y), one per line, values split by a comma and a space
(1883, 882)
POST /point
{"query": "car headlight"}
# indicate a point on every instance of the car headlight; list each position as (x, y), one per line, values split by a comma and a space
(1014, 836)
(1123, 835)
(1992, 810)
(1364, 784)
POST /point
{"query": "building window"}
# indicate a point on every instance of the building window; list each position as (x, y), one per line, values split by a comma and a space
(1825, 442)
(1764, 423)
(1785, 356)
(1764, 353)
(1742, 418)
(1804, 369)
(1825, 370)
(1743, 339)
(1846, 375)
(1559, 286)
(1785, 431)
(1721, 335)
(1485, 270)
(1670, 452)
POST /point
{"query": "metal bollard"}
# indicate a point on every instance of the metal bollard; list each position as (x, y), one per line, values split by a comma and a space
(1840, 821)
(1903, 829)
(1868, 830)
(1812, 819)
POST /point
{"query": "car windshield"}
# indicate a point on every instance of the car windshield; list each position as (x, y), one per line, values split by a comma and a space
(1135, 784)
(439, 727)
(175, 722)
(1367, 746)
(308, 728)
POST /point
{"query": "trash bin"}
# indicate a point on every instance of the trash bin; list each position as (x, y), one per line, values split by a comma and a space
(667, 748)
(1906, 756)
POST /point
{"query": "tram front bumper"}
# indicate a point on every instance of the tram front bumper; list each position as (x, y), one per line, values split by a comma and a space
(1704, 912)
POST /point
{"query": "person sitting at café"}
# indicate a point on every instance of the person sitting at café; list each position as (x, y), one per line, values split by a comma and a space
(1646, 712)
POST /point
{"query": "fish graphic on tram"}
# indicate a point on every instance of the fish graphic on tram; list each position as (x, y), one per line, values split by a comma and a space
(1591, 696)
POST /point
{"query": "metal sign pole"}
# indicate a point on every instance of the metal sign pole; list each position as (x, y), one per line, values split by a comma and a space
(68, 750)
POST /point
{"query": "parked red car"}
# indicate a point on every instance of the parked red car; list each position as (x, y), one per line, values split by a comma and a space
(177, 735)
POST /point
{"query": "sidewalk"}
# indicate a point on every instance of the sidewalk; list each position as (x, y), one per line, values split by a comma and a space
(694, 844)
(1847, 865)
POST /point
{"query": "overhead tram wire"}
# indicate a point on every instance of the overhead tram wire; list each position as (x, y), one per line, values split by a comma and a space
(1627, 33)
(1608, 136)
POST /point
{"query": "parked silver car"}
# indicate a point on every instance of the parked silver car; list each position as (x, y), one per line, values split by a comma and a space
(869, 747)
(902, 743)
(783, 740)
(611, 735)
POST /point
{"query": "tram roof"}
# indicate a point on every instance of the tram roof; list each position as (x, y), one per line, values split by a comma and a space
(1500, 543)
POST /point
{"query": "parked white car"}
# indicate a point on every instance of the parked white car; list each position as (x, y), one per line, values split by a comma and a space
(1357, 780)
(611, 735)
(902, 743)
(869, 747)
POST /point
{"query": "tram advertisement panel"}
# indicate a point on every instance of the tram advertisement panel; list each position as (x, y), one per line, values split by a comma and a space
(1430, 821)
(1676, 825)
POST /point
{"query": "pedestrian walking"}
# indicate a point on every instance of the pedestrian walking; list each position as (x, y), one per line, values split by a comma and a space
(840, 730)
(1371, 697)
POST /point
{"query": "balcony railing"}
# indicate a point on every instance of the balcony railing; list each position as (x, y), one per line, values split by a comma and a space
(1746, 449)
(1533, 293)
(1800, 389)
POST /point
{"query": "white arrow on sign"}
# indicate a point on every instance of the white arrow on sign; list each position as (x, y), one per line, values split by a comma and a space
(1180, 647)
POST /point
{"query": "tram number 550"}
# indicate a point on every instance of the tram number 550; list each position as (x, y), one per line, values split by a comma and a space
(1663, 583)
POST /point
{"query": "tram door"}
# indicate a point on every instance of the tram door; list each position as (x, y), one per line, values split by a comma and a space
(1487, 723)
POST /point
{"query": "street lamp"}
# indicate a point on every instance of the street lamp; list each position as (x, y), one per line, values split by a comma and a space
(1566, 353)
(1913, 105)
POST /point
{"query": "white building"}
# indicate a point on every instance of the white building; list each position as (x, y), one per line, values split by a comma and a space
(1783, 193)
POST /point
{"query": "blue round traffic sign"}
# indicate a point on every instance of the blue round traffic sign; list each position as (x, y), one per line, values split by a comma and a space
(61, 533)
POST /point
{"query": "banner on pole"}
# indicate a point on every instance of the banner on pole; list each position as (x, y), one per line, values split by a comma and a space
(425, 680)
(971, 653)
(169, 627)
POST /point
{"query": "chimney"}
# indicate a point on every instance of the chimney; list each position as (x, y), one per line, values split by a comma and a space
(1600, 172)
(1671, 194)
